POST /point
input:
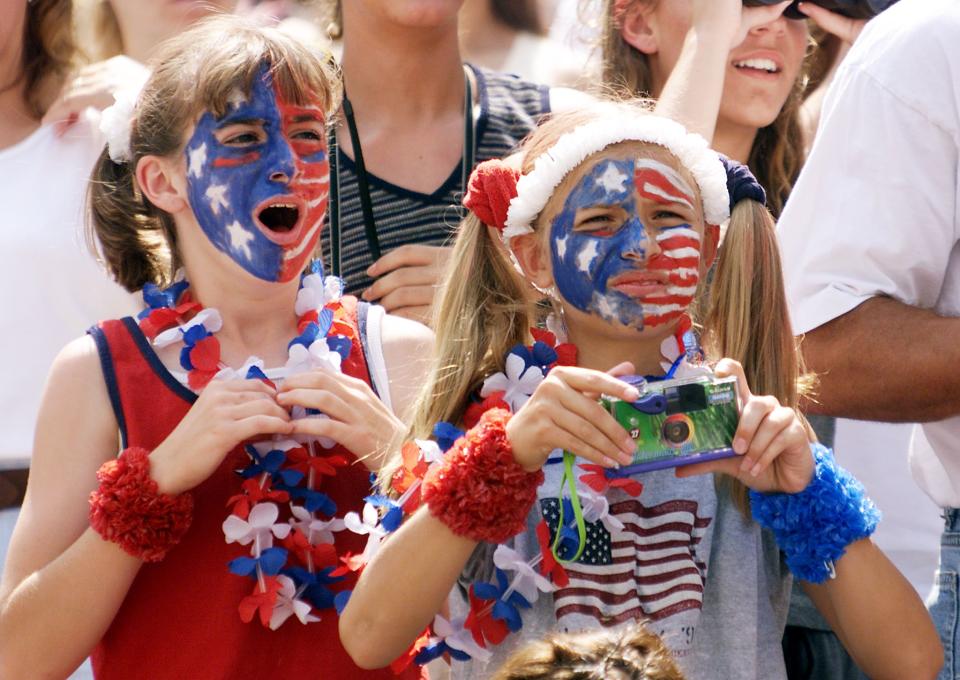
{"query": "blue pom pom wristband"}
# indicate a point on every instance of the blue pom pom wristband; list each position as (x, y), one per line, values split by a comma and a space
(814, 527)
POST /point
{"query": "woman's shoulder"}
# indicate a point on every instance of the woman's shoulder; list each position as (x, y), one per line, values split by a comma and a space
(407, 355)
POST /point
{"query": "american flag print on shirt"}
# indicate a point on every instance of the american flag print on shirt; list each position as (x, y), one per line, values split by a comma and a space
(651, 569)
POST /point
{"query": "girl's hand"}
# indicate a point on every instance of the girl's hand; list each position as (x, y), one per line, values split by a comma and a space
(357, 419)
(226, 413)
(845, 28)
(771, 442)
(730, 19)
(563, 413)
(94, 85)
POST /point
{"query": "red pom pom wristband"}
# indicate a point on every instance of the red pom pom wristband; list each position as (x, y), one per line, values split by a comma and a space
(479, 490)
(127, 509)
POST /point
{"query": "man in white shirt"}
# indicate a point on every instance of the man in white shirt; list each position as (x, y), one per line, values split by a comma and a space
(871, 253)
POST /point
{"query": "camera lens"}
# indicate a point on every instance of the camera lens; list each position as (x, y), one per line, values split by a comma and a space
(676, 432)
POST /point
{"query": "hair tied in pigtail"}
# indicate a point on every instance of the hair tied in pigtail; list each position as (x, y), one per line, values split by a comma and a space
(493, 184)
(741, 184)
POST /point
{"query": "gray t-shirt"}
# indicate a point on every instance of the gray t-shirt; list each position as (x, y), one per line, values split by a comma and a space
(710, 582)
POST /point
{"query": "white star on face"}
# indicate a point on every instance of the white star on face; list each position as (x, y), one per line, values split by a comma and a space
(603, 307)
(240, 239)
(561, 247)
(198, 157)
(216, 193)
(586, 256)
(612, 179)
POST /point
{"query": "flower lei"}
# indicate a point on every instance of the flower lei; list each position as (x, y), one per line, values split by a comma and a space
(295, 578)
(496, 608)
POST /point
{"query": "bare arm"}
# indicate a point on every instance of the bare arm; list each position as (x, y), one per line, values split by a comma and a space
(878, 616)
(885, 360)
(63, 584)
(402, 588)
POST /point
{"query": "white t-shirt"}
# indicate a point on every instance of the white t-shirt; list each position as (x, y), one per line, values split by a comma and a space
(53, 289)
(875, 211)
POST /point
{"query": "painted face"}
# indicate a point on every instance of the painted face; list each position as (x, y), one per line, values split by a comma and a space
(258, 180)
(622, 246)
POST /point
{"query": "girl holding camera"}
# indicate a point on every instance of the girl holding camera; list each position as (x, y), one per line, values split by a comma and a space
(613, 212)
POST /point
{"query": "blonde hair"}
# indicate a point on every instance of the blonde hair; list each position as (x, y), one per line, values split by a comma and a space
(197, 71)
(777, 154)
(49, 51)
(634, 654)
(482, 310)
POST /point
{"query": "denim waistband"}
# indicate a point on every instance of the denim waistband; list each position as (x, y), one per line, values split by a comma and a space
(951, 517)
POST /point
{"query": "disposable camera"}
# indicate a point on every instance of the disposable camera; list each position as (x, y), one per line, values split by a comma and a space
(856, 9)
(678, 422)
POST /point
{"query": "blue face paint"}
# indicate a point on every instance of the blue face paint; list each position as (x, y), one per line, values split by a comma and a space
(616, 267)
(260, 192)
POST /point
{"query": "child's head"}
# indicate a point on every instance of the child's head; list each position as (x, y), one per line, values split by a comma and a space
(633, 654)
(228, 135)
(609, 218)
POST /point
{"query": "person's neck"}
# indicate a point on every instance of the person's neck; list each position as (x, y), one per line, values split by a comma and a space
(258, 317)
(425, 77)
(139, 41)
(734, 141)
(483, 38)
(602, 351)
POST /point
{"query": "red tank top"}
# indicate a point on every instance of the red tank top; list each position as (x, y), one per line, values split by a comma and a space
(179, 619)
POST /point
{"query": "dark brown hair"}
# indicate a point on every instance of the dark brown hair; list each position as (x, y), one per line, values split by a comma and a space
(633, 654)
(520, 15)
(49, 50)
(197, 71)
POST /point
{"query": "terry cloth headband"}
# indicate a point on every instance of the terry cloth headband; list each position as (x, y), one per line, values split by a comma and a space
(512, 209)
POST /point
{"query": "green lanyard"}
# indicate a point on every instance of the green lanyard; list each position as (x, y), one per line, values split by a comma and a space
(570, 480)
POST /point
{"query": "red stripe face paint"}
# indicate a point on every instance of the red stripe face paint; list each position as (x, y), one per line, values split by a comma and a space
(623, 247)
(257, 180)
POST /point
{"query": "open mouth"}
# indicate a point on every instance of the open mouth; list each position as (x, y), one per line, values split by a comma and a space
(757, 66)
(279, 219)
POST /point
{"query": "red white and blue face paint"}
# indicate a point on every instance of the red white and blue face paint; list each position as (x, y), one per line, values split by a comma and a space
(258, 180)
(607, 262)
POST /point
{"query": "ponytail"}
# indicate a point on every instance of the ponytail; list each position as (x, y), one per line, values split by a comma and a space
(135, 240)
(483, 309)
(747, 317)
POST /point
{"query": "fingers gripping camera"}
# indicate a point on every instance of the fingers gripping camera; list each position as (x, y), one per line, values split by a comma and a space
(678, 422)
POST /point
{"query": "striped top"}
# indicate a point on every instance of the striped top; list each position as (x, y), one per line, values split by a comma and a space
(509, 109)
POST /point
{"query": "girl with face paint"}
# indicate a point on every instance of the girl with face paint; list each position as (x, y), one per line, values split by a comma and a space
(209, 198)
(612, 212)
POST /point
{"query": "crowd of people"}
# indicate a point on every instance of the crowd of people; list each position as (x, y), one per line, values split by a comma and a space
(366, 282)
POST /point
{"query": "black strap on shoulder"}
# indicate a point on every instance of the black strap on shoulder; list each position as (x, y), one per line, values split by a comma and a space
(363, 183)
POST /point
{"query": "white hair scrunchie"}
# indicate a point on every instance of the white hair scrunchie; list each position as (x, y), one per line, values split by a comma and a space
(116, 124)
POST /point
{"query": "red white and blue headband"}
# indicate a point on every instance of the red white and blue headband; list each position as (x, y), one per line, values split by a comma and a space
(503, 198)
